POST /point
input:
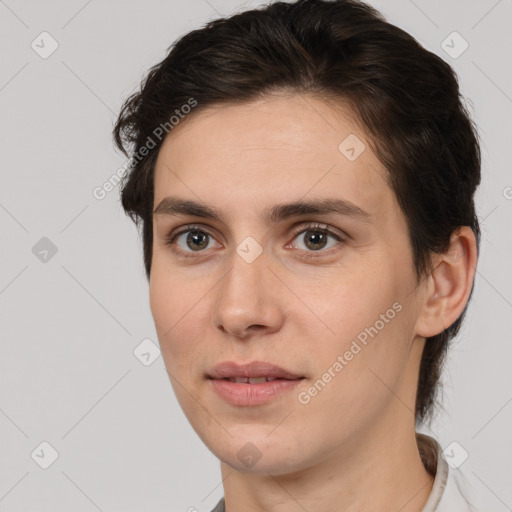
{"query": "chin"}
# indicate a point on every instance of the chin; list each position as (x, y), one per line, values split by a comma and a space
(260, 454)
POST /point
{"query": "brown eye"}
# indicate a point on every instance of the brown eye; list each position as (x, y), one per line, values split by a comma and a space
(189, 241)
(316, 238)
(197, 240)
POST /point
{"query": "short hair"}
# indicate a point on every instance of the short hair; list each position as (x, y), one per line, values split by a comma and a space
(405, 98)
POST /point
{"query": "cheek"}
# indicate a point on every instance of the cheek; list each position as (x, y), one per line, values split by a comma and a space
(179, 306)
(169, 305)
(163, 291)
(349, 300)
(359, 369)
(368, 327)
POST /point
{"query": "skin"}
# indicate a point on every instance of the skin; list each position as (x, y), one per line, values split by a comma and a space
(352, 447)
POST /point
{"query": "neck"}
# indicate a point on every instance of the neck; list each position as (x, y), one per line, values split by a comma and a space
(372, 475)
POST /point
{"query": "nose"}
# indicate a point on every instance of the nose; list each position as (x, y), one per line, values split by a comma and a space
(249, 299)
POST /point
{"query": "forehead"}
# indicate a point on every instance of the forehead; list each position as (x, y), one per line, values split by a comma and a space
(282, 147)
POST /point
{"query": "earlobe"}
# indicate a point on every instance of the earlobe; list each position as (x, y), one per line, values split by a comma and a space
(449, 285)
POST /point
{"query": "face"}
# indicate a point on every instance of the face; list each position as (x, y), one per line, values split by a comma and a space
(328, 294)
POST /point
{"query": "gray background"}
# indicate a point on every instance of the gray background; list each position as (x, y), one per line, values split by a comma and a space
(69, 324)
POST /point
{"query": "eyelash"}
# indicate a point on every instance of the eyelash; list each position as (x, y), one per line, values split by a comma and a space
(322, 228)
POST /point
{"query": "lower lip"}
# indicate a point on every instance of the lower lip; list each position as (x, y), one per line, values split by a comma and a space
(245, 394)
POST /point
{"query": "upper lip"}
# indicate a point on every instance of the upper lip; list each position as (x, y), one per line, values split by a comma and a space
(230, 369)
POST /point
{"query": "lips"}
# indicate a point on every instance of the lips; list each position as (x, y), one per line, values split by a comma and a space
(254, 384)
(252, 373)
(253, 380)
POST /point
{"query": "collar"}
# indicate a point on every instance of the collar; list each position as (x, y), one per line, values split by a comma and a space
(450, 491)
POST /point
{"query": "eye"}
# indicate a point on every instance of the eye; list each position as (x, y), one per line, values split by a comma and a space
(315, 237)
(189, 240)
(194, 239)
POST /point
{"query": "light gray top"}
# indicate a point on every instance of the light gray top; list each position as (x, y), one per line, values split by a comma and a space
(450, 491)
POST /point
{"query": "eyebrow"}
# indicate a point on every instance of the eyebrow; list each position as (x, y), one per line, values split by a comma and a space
(175, 206)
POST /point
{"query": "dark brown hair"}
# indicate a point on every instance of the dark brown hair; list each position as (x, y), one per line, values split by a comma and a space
(406, 98)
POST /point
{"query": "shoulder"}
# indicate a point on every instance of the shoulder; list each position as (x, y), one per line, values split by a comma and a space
(451, 491)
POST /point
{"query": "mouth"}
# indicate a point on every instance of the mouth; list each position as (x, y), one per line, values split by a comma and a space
(256, 380)
(256, 383)
(253, 373)
(256, 391)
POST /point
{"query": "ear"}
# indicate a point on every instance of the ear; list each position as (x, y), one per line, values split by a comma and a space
(449, 285)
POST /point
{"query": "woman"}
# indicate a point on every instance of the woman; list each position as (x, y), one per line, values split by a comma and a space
(304, 175)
